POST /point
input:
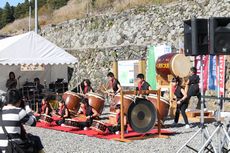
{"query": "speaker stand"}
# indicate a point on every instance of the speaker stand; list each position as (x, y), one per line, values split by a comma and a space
(219, 125)
(203, 128)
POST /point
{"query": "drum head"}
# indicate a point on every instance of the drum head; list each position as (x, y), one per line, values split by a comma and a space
(142, 115)
(180, 65)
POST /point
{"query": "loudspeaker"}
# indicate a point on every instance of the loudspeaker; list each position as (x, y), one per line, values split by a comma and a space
(196, 37)
(219, 35)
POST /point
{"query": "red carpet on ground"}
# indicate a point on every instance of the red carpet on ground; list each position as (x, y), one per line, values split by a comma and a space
(96, 134)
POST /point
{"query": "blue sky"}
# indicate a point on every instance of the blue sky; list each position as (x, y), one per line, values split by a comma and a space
(12, 2)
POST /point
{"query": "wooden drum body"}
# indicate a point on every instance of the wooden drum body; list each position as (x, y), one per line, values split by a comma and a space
(173, 64)
(163, 105)
(72, 100)
(96, 101)
(128, 99)
(46, 118)
(98, 126)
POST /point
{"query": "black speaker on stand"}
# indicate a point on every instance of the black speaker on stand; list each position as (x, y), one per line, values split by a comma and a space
(196, 43)
(196, 37)
(219, 35)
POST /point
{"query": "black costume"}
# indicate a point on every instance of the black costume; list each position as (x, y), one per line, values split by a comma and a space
(194, 90)
(115, 83)
(182, 106)
(88, 122)
(62, 113)
(114, 129)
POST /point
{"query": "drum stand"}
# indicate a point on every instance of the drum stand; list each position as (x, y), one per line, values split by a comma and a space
(142, 92)
(219, 125)
(203, 128)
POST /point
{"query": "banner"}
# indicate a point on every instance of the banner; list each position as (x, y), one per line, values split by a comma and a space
(212, 80)
(127, 73)
(212, 73)
(32, 67)
(205, 70)
(151, 67)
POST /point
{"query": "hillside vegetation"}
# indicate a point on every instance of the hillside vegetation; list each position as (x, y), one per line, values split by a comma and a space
(56, 11)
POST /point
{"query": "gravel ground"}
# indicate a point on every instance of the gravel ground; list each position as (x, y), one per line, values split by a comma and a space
(62, 142)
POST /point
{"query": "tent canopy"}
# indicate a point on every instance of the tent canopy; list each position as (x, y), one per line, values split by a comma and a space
(31, 48)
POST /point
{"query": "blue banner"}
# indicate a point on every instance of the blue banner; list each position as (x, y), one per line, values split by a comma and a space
(212, 73)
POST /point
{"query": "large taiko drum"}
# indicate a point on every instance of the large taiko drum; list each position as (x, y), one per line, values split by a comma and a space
(72, 100)
(163, 105)
(174, 64)
(128, 99)
(97, 101)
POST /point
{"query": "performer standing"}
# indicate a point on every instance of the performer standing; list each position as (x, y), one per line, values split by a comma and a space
(192, 87)
(86, 86)
(113, 84)
(11, 82)
(142, 84)
(182, 101)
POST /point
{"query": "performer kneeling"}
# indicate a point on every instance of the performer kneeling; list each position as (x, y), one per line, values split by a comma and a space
(62, 112)
(117, 128)
(182, 101)
(46, 107)
(90, 114)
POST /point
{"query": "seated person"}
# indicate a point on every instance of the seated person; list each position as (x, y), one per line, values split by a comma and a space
(117, 128)
(62, 112)
(13, 118)
(90, 114)
(46, 107)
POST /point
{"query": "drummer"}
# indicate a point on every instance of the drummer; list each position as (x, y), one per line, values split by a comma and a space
(62, 112)
(113, 84)
(46, 107)
(142, 84)
(117, 127)
(182, 101)
(90, 114)
(86, 86)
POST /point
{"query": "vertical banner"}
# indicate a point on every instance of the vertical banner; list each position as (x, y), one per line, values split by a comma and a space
(212, 73)
(212, 80)
(151, 67)
(205, 70)
(222, 74)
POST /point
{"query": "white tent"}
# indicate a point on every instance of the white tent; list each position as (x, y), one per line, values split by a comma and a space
(32, 49)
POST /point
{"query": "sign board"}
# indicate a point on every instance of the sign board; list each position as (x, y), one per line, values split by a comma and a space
(32, 67)
(127, 71)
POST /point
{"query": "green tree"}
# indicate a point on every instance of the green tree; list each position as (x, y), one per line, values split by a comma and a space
(8, 14)
(1, 12)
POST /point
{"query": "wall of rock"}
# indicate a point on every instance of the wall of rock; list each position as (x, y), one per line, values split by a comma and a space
(97, 40)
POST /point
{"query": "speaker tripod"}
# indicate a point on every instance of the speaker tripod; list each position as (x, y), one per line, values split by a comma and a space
(219, 126)
(203, 128)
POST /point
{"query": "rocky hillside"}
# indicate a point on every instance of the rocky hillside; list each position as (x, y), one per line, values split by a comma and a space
(98, 40)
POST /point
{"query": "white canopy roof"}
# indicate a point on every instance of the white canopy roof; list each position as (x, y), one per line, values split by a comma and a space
(31, 48)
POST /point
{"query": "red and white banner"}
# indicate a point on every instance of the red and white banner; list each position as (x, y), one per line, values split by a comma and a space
(205, 69)
(222, 74)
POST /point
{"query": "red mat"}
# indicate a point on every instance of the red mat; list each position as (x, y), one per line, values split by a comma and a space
(96, 134)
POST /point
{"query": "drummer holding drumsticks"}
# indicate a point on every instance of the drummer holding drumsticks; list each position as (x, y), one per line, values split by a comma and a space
(113, 85)
(142, 84)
